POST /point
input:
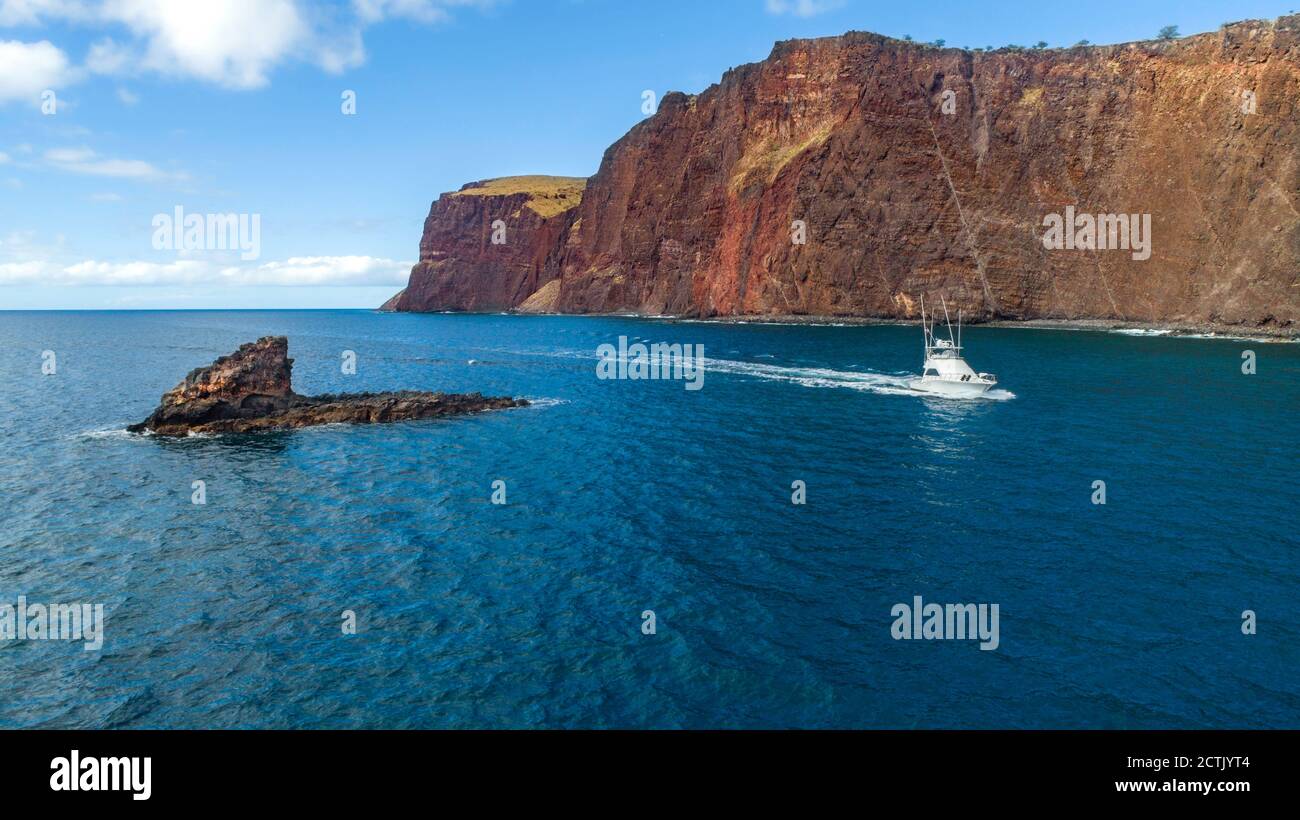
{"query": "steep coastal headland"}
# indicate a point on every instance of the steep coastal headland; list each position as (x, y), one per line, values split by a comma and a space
(251, 391)
(847, 176)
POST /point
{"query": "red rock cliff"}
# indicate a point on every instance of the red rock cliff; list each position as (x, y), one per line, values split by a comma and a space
(919, 170)
(492, 244)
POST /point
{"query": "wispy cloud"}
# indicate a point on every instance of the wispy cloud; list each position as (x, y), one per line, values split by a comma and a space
(300, 271)
(107, 56)
(322, 270)
(85, 161)
(32, 12)
(420, 11)
(802, 8)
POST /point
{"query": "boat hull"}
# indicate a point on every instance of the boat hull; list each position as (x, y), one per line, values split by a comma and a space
(950, 387)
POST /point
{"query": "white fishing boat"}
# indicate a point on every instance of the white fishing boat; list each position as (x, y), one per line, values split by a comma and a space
(945, 371)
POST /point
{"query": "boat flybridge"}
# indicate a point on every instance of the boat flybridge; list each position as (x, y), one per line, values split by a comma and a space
(946, 372)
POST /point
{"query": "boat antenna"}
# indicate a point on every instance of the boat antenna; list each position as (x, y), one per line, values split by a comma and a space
(959, 328)
(947, 320)
(925, 333)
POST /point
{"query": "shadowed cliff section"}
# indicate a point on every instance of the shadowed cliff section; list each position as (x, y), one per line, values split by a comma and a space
(460, 266)
(690, 213)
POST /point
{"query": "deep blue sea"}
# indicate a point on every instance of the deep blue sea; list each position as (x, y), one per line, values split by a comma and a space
(626, 496)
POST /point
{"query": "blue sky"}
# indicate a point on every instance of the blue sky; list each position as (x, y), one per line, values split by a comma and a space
(239, 112)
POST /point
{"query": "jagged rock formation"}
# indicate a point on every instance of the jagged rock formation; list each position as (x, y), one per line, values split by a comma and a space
(919, 170)
(250, 391)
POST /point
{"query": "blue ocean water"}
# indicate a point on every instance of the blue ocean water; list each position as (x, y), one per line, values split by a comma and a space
(624, 496)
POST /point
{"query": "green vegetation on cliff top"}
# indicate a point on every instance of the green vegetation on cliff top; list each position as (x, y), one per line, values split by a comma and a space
(548, 195)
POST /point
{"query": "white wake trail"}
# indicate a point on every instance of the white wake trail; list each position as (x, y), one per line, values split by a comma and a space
(865, 381)
(815, 376)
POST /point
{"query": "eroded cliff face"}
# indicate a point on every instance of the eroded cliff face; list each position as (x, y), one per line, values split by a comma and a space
(917, 170)
(461, 267)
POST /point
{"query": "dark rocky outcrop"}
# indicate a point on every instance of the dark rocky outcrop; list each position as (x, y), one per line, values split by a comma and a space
(250, 391)
(690, 213)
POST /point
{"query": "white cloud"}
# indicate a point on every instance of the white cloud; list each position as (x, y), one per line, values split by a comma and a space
(86, 161)
(32, 12)
(323, 270)
(127, 96)
(109, 197)
(231, 43)
(302, 271)
(180, 272)
(3, 157)
(27, 69)
(22, 273)
(802, 8)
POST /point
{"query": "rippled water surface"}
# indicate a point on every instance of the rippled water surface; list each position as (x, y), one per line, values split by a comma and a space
(625, 496)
